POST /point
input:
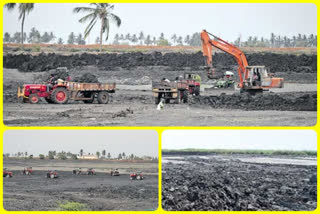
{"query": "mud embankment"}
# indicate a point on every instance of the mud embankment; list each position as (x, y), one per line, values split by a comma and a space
(291, 101)
(175, 61)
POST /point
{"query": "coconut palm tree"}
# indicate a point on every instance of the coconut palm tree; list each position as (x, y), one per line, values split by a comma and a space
(24, 9)
(102, 11)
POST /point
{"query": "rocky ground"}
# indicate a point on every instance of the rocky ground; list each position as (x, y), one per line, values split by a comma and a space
(239, 182)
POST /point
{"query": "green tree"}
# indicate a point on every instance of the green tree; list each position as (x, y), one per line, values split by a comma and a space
(141, 38)
(34, 36)
(98, 154)
(45, 38)
(179, 40)
(174, 38)
(187, 40)
(109, 155)
(50, 155)
(104, 153)
(80, 40)
(102, 11)
(60, 41)
(97, 40)
(148, 41)
(161, 36)
(71, 38)
(62, 156)
(24, 9)
(119, 156)
(74, 157)
(163, 42)
(134, 39)
(41, 156)
(6, 37)
(81, 152)
(116, 39)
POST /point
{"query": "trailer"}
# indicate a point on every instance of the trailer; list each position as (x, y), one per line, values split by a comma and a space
(63, 91)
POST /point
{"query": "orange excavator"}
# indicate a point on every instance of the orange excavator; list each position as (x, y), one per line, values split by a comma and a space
(252, 78)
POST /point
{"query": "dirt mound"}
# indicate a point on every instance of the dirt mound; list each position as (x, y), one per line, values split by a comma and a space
(213, 184)
(291, 101)
(86, 78)
(46, 62)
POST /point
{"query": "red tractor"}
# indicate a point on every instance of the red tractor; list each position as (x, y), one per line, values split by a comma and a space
(136, 176)
(115, 172)
(193, 81)
(91, 171)
(7, 173)
(27, 171)
(52, 174)
(62, 91)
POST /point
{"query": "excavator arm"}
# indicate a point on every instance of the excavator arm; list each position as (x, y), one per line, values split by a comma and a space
(219, 43)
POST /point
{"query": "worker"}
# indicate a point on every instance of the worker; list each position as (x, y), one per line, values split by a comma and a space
(160, 105)
(51, 81)
(254, 78)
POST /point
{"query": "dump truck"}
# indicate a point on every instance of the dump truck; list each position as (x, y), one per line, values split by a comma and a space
(62, 91)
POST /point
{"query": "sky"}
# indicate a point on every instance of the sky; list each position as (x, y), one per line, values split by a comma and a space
(240, 139)
(225, 20)
(138, 142)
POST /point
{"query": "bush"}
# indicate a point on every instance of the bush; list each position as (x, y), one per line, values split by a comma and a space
(37, 48)
(74, 157)
(72, 206)
(41, 156)
(163, 42)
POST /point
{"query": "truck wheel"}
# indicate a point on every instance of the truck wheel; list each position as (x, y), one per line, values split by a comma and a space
(60, 95)
(185, 96)
(178, 100)
(103, 97)
(52, 176)
(33, 98)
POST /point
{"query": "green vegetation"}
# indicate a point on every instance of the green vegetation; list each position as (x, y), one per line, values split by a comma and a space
(72, 206)
(239, 151)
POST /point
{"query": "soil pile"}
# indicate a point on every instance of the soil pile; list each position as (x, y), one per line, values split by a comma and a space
(291, 101)
(212, 184)
(109, 61)
(86, 78)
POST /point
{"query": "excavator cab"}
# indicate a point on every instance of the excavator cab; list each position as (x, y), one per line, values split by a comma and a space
(259, 77)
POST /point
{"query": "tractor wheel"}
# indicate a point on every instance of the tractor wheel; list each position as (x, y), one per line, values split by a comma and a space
(60, 95)
(185, 96)
(52, 176)
(8, 176)
(33, 98)
(138, 177)
(27, 173)
(156, 100)
(48, 100)
(103, 97)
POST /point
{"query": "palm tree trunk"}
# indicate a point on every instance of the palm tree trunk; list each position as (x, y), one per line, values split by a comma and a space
(22, 24)
(101, 33)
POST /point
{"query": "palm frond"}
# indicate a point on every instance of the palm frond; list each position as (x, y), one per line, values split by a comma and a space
(89, 28)
(116, 19)
(83, 9)
(10, 6)
(87, 17)
(106, 27)
(25, 8)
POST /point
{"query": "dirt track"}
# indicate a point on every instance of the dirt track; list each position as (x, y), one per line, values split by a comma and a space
(239, 182)
(100, 192)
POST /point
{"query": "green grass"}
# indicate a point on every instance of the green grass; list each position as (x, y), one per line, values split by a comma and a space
(72, 206)
(239, 151)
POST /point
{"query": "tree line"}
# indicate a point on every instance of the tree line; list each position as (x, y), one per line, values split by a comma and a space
(275, 41)
(62, 155)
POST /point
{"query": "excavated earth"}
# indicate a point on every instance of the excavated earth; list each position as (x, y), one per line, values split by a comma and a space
(98, 193)
(239, 182)
(133, 104)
